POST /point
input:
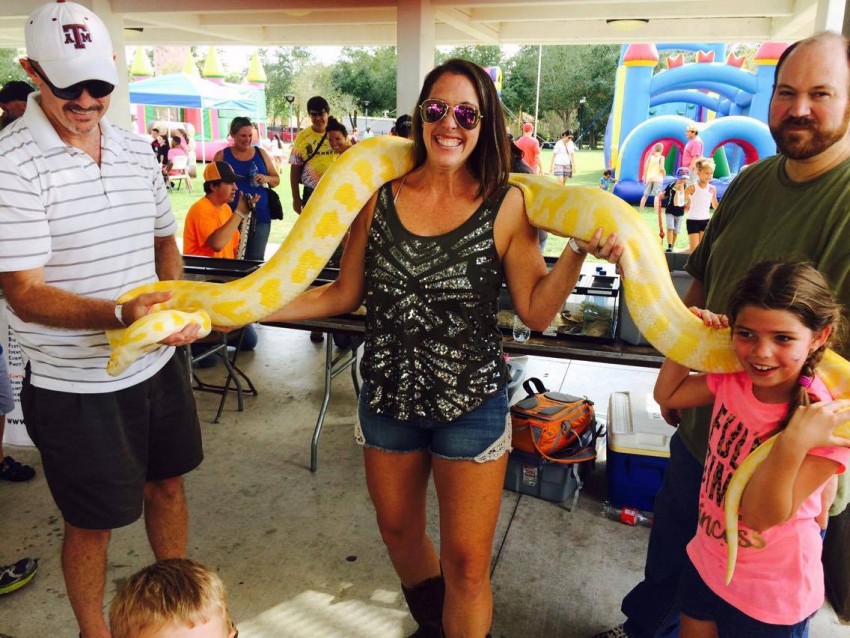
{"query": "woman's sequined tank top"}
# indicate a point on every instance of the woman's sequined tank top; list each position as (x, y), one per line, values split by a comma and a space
(433, 345)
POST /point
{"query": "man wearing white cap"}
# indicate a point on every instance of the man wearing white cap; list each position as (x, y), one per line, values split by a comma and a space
(85, 218)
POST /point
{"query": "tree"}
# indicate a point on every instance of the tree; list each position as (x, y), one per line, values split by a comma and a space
(367, 74)
(568, 74)
(482, 55)
(282, 64)
(9, 67)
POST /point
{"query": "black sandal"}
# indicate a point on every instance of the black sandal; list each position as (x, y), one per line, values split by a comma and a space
(11, 470)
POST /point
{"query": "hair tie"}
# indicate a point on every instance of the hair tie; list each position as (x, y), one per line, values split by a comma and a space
(805, 381)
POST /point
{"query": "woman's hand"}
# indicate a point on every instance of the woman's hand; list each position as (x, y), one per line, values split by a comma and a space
(611, 250)
(709, 318)
(260, 179)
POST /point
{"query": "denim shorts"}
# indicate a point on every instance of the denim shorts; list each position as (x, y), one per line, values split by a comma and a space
(698, 601)
(674, 222)
(653, 188)
(484, 434)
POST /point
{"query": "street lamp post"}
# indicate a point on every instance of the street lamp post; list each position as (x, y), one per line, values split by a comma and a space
(366, 106)
(290, 98)
(581, 104)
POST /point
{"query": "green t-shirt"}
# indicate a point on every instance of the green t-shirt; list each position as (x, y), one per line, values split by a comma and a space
(764, 215)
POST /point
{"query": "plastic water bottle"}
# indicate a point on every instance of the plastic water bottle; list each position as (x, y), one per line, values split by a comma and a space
(521, 331)
(252, 172)
(626, 515)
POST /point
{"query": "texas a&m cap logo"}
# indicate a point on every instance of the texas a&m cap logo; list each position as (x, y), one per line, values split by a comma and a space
(70, 43)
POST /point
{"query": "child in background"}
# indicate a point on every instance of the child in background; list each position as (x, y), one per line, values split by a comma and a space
(607, 181)
(175, 598)
(782, 316)
(674, 206)
(700, 197)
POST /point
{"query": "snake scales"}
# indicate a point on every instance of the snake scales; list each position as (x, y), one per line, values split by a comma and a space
(575, 211)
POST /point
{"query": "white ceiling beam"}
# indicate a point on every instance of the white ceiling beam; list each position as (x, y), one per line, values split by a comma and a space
(610, 10)
(291, 7)
(800, 24)
(189, 25)
(481, 33)
(750, 29)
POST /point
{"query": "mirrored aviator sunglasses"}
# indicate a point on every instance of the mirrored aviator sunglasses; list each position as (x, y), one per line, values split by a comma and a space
(466, 115)
(96, 88)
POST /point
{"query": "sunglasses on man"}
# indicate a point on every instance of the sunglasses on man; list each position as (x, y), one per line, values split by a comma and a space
(96, 88)
(466, 115)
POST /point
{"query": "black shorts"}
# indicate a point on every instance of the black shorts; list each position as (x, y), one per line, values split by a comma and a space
(99, 450)
(695, 226)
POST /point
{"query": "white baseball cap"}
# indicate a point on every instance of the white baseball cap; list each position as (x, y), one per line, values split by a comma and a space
(70, 43)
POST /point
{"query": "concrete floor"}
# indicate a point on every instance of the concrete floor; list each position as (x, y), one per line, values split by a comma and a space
(300, 552)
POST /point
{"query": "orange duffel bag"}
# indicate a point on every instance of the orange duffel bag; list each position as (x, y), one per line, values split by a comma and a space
(559, 427)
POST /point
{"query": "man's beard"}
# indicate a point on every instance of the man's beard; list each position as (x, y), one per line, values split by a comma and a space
(801, 145)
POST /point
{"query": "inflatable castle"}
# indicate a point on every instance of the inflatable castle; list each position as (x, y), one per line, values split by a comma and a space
(206, 104)
(729, 105)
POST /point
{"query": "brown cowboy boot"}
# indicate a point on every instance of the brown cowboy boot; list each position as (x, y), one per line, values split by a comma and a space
(425, 602)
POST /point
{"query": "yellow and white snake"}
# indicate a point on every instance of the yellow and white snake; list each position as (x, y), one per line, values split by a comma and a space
(574, 211)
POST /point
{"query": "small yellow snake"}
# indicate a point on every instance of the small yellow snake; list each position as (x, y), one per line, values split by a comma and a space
(573, 211)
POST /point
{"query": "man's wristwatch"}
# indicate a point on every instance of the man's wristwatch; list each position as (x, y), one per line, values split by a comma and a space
(118, 308)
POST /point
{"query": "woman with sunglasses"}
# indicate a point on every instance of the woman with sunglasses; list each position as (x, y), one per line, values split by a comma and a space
(429, 254)
(258, 174)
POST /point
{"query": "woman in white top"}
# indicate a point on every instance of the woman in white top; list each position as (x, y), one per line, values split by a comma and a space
(700, 197)
(563, 157)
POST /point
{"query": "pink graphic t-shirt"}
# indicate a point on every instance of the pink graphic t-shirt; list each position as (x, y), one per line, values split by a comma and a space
(778, 576)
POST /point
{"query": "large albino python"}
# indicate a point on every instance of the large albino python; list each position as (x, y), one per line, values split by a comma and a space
(574, 211)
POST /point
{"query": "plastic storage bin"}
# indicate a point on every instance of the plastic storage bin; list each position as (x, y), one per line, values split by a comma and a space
(628, 330)
(531, 475)
(638, 449)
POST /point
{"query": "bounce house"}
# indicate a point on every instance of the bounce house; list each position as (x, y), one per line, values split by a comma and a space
(206, 103)
(729, 105)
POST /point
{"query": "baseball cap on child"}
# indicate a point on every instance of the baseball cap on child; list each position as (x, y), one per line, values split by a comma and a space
(527, 127)
(70, 43)
(683, 172)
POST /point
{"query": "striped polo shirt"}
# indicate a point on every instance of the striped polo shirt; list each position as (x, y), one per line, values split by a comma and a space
(90, 228)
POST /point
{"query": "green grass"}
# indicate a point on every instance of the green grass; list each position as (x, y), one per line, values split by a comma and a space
(590, 165)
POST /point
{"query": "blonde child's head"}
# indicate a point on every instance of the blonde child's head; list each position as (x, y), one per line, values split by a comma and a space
(704, 167)
(167, 598)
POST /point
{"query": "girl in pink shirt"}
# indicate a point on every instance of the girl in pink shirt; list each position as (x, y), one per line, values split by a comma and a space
(782, 316)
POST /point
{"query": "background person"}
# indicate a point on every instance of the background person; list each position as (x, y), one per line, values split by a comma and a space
(13, 101)
(700, 198)
(414, 420)
(111, 447)
(693, 150)
(258, 172)
(337, 136)
(212, 230)
(404, 126)
(530, 148)
(674, 209)
(763, 214)
(311, 154)
(653, 177)
(563, 157)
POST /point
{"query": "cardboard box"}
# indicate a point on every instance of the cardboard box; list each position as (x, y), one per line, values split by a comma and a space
(638, 449)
